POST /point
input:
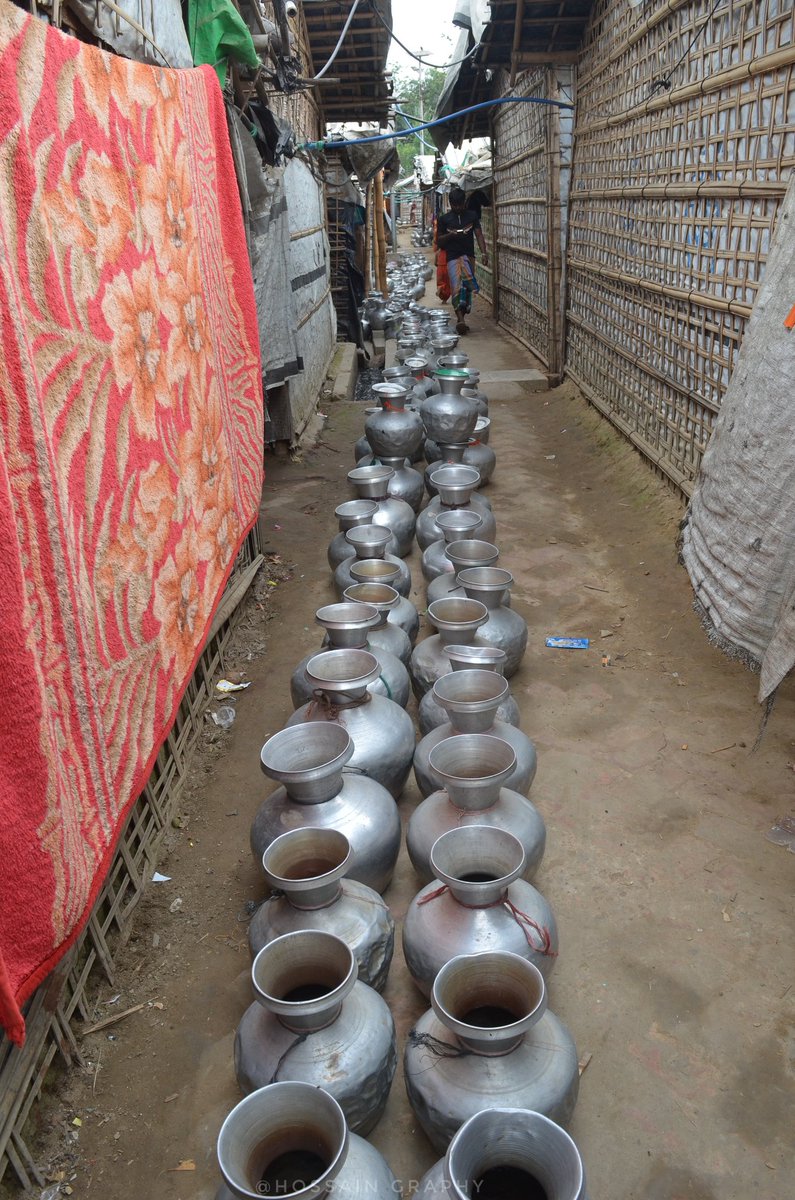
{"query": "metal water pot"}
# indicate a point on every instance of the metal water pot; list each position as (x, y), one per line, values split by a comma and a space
(456, 621)
(468, 658)
(385, 635)
(306, 869)
(505, 628)
(406, 483)
(479, 454)
(349, 515)
(471, 771)
(474, 392)
(382, 732)
(477, 901)
(448, 416)
(313, 1022)
(505, 1152)
(309, 761)
(368, 542)
(393, 430)
(291, 1139)
(471, 700)
(453, 525)
(466, 552)
(350, 624)
(489, 1032)
(401, 616)
(456, 489)
(372, 483)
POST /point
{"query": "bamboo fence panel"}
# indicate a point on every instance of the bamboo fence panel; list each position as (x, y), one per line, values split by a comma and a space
(679, 173)
(521, 189)
(66, 997)
(485, 274)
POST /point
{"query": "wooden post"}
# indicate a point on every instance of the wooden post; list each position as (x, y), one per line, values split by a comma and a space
(495, 216)
(380, 235)
(368, 214)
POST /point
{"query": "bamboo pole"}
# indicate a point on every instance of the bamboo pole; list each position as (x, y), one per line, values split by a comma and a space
(380, 234)
(717, 303)
(718, 189)
(556, 315)
(374, 242)
(495, 217)
(715, 82)
(367, 239)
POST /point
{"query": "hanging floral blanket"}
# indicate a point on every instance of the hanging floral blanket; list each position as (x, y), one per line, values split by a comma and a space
(130, 452)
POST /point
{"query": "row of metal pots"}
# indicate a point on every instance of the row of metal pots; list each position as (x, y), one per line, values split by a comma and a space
(316, 1051)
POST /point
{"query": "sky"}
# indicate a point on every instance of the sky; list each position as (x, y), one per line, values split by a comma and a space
(423, 25)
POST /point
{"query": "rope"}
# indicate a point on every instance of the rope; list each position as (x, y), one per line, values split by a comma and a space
(522, 919)
(322, 707)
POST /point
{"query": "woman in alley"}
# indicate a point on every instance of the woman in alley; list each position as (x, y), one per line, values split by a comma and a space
(456, 232)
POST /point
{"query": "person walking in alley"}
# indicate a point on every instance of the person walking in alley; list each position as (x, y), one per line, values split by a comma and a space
(456, 232)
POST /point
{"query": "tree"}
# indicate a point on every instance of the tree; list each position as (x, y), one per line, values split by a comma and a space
(406, 88)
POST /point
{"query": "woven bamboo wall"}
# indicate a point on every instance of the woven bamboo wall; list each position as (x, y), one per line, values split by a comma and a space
(520, 148)
(65, 999)
(486, 274)
(674, 200)
(531, 149)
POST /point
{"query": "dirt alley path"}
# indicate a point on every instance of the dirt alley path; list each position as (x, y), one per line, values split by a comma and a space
(675, 913)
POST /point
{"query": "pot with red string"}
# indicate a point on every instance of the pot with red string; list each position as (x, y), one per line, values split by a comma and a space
(477, 901)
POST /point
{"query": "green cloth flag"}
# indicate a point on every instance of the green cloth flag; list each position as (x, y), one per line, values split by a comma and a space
(217, 32)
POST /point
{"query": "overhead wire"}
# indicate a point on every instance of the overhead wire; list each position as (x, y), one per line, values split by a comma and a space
(462, 112)
(336, 49)
(411, 54)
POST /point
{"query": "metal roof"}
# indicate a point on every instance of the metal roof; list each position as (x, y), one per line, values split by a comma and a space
(517, 35)
(356, 88)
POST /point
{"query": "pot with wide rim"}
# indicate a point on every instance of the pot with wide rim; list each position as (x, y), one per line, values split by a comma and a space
(291, 1139)
(382, 732)
(309, 762)
(368, 542)
(349, 625)
(385, 635)
(460, 554)
(468, 658)
(505, 628)
(313, 1021)
(504, 1153)
(349, 515)
(401, 615)
(456, 487)
(477, 901)
(489, 1032)
(470, 772)
(456, 621)
(306, 869)
(471, 700)
(453, 524)
(372, 483)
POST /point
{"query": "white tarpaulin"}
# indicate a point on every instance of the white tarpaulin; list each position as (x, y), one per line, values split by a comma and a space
(738, 541)
(160, 20)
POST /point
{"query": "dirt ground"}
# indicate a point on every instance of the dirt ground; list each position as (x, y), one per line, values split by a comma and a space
(675, 913)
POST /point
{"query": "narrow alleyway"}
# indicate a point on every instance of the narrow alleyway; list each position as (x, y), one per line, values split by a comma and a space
(674, 912)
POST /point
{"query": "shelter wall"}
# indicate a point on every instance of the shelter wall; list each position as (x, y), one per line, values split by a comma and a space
(676, 190)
